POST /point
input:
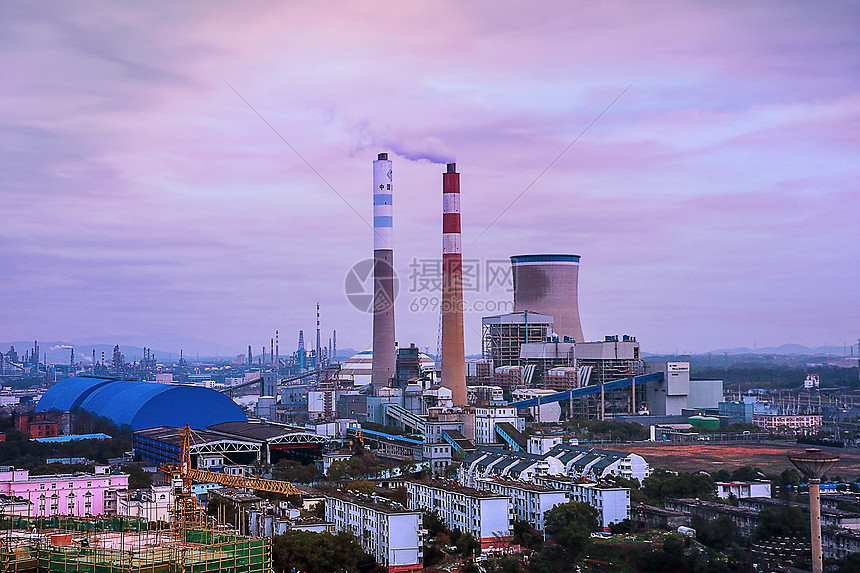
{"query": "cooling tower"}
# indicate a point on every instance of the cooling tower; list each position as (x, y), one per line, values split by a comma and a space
(547, 284)
(453, 344)
(383, 274)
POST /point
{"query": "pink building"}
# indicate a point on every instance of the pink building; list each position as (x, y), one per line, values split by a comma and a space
(64, 494)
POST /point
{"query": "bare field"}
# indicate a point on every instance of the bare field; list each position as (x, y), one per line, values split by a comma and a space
(712, 457)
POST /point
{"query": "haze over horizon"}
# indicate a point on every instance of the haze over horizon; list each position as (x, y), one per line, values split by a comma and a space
(714, 203)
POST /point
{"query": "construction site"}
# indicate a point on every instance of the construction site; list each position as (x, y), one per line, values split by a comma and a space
(191, 543)
(122, 545)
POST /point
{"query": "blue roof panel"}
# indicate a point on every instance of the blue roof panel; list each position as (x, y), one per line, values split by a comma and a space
(142, 405)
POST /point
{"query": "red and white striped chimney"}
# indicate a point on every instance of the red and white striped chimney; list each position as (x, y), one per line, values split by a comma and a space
(453, 344)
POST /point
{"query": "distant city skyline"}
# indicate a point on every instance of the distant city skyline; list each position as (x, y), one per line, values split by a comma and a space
(714, 203)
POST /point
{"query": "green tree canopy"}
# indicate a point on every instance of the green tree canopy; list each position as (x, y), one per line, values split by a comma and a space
(311, 552)
(569, 527)
(296, 472)
(785, 521)
(662, 486)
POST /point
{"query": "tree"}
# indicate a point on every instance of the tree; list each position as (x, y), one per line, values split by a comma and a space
(432, 555)
(137, 477)
(296, 472)
(569, 526)
(661, 486)
(849, 564)
(362, 486)
(717, 533)
(525, 535)
(433, 524)
(503, 565)
(312, 552)
(468, 545)
(747, 473)
(785, 521)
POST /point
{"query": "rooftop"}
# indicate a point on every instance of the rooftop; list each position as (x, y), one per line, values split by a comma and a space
(375, 503)
(452, 485)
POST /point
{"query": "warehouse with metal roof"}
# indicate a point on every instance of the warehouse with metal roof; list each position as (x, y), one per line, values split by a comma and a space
(142, 405)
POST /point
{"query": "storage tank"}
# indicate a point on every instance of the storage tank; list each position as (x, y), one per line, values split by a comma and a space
(705, 422)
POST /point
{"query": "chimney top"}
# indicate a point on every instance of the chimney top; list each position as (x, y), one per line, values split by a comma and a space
(452, 168)
(383, 156)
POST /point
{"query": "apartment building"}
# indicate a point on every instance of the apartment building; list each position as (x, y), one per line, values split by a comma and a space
(392, 534)
(529, 502)
(611, 502)
(483, 514)
(153, 504)
(741, 489)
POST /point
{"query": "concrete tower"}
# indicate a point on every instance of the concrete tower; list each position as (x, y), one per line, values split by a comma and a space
(453, 344)
(548, 284)
(813, 463)
(383, 273)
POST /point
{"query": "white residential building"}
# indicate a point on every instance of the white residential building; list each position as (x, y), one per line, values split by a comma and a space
(743, 489)
(612, 503)
(529, 502)
(392, 535)
(563, 460)
(596, 465)
(488, 461)
(438, 456)
(154, 504)
(483, 514)
(329, 458)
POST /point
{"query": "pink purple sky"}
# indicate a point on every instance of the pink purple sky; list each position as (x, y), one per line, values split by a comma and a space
(715, 204)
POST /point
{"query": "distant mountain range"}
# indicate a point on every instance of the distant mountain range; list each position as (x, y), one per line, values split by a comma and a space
(58, 351)
(788, 349)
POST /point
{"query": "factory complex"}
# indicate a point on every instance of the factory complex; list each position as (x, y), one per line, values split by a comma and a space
(480, 442)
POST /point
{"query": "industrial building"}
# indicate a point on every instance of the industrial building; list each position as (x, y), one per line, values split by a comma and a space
(209, 450)
(229, 444)
(141, 405)
(549, 285)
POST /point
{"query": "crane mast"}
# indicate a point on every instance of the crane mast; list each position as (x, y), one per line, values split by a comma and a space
(182, 476)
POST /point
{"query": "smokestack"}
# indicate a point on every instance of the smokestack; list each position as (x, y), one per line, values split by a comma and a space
(548, 284)
(277, 352)
(383, 273)
(453, 344)
(319, 363)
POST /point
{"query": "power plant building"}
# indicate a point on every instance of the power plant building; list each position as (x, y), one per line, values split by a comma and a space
(549, 285)
(141, 405)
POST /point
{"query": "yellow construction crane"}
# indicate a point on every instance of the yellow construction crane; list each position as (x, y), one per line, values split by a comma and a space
(182, 476)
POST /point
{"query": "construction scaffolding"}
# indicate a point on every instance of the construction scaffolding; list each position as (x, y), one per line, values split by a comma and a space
(122, 545)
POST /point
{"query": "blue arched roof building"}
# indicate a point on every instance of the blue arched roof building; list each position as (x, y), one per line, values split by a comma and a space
(142, 405)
